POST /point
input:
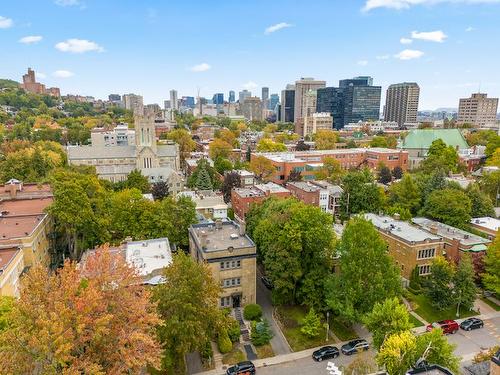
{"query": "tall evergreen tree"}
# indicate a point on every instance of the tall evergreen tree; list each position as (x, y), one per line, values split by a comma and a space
(203, 182)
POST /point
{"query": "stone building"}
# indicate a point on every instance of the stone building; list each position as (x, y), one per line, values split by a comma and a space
(231, 256)
(479, 111)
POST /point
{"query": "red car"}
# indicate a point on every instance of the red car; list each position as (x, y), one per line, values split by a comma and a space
(448, 326)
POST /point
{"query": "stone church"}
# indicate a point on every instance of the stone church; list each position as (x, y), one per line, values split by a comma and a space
(158, 162)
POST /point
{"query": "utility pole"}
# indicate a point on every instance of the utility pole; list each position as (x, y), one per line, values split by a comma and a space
(327, 325)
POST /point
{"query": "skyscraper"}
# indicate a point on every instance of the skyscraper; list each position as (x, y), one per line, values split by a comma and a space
(265, 93)
(273, 101)
(478, 110)
(232, 97)
(302, 86)
(134, 103)
(401, 103)
(331, 100)
(173, 100)
(218, 98)
(287, 103)
(244, 94)
(251, 108)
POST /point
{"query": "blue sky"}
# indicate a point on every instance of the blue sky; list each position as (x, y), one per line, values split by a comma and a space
(96, 47)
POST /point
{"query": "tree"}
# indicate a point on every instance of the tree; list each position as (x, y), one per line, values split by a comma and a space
(331, 170)
(440, 156)
(384, 141)
(262, 167)
(231, 181)
(136, 180)
(384, 175)
(368, 274)
(387, 318)
(188, 308)
(221, 165)
(294, 176)
(302, 146)
(183, 138)
(406, 194)
(261, 333)
(268, 145)
(6, 305)
(96, 318)
(481, 203)
(397, 173)
(326, 139)
(360, 194)
(449, 206)
(491, 278)
(219, 148)
(203, 181)
(252, 311)
(311, 324)
(494, 159)
(159, 190)
(464, 288)
(439, 288)
(223, 341)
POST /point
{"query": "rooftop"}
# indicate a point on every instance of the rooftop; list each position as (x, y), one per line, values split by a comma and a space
(249, 192)
(6, 256)
(305, 186)
(271, 188)
(447, 231)
(16, 207)
(242, 172)
(149, 255)
(401, 229)
(302, 156)
(12, 227)
(423, 138)
(220, 236)
(487, 222)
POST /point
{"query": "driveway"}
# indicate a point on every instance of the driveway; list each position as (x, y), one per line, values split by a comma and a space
(278, 342)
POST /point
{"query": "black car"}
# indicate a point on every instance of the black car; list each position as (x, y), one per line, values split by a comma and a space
(326, 352)
(355, 346)
(267, 282)
(241, 368)
(471, 323)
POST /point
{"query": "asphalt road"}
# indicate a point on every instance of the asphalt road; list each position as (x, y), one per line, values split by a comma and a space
(278, 343)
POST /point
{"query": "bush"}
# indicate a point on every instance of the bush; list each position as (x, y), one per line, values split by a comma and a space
(206, 351)
(261, 333)
(415, 280)
(223, 342)
(234, 330)
(311, 324)
(252, 312)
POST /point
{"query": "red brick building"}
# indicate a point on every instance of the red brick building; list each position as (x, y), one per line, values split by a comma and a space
(308, 162)
(242, 198)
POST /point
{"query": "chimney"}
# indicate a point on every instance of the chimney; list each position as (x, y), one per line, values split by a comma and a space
(203, 239)
(218, 224)
(242, 229)
(396, 216)
(13, 190)
(433, 229)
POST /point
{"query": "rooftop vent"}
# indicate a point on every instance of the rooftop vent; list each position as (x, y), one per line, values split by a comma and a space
(234, 236)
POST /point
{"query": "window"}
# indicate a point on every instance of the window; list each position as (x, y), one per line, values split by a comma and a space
(230, 264)
(225, 301)
(227, 283)
(426, 253)
(424, 269)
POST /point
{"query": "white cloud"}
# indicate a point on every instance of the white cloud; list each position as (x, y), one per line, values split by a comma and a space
(405, 41)
(41, 75)
(409, 54)
(67, 3)
(250, 85)
(469, 29)
(431, 36)
(5, 22)
(31, 39)
(203, 67)
(382, 57)
(362, 62)
(278, 26)
(78, 46)
(63, 74)
(405, 4)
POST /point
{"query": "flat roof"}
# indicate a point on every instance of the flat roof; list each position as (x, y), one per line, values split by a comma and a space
(490, 223)
(33, 206)
(220, 239)
(401, 229)
(272, 187)
(249, 192)
(19, 226)
(148, 255)
(300, 156)
(6, 256)
(447, 231)
(305, 186)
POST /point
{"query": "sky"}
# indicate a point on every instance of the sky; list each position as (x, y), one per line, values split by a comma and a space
(148, 47)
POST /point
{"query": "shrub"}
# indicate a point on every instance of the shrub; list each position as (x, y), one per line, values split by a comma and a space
(261, 333)
(206, 351)
(223, 342)
(311, 324)
(234, 330)
(252, 312)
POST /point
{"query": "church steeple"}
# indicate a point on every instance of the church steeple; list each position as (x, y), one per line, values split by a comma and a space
(145, 132)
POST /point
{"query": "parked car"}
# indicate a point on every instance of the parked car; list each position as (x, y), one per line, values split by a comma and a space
(241, 368)
(267, 282)
(355, 346)
(448, 326)
(471, 323)
(325, 352)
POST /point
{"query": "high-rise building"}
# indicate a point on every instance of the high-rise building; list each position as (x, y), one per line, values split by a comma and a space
(174, 104)
(114, 98)
(187, 101)
(478, 110)
(401, 103)
(303, 125)
(273, 101)
(232, 97)
(331, 100)
(134, 103)
(361, 99)
(302, 86)
(251, 108)
(218, 98)
(31, 85)
(265, 93)
(287, 104)
(243, 95)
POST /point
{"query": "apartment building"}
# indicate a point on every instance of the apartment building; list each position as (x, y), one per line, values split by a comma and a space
(302, 87)
(317, 193)
(401, 103)
(486, 225)
(208, 204)
(309, 162)
(231, 256)
(243, 198)
(479, 111)
(409, 245)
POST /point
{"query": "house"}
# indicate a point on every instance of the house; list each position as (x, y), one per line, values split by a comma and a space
(246, 178)
(208, 204)
(486, 225)
(231, 256)
(409, 245)
(317, 193)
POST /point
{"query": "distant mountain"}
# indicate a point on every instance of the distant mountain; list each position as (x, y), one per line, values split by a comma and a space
(8, 83)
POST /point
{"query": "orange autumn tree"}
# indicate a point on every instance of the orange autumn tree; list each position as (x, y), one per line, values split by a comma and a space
(93, 318)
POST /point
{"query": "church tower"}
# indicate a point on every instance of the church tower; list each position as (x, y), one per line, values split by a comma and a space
(145, 142)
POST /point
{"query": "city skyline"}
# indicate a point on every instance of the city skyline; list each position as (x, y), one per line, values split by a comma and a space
(256, 45)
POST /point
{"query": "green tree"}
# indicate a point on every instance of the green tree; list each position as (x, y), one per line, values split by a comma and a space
(331, 170)
(387, 318)
(261, 333)
(252, 311)
(361, 193)
(491, 277)
(440, 156)
(222, 165)
(385, 142)
(311, 324)
(326, 139)
(188, 306)
(203, 181)
(464, 288)
(384, 175)
(406, 194)
(481, 203)
(449, 206)
(368, 275)
(6, 305)
(223, 341)
(397, 173)
(439, 288)
(135, 180)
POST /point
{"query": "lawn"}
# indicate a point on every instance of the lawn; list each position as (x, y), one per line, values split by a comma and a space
(423, 307)
(341, 330)
(415, 322)
(234, 356)
(264, 351)
(290, 317)
(491, 303)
